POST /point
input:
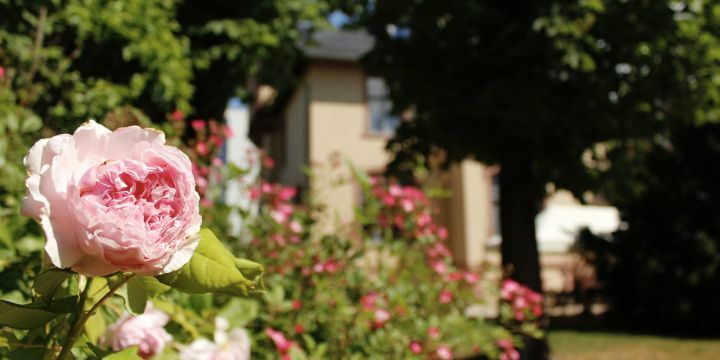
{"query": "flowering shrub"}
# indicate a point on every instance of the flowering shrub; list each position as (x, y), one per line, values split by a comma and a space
(382, 287)
(387, 289)
(120, 215)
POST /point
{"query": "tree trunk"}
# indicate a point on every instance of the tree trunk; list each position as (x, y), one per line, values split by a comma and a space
(518, 207)
(520, 195)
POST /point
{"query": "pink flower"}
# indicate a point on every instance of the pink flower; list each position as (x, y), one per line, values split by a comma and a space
(177, 115)
(295, 227)
(454, 276)
(424, 219)
(415, 347)
(296, 304)
(299, 329)
(113, 201)
(509, 288)
(2, 72)
(278, 338)
(407, 205)
(388, 200)
(287, 193)
(197, 124)
(433, 332)
(202, 148)
(146, 331)
(381, 316)
(278, 216)
(216, 140)
(368, 301)
(268, 162)
(439, 267)
(443, 352)
(509, 352)
(331, 266)
(395, 190)
(471, 278)
(445, 297)
(319, 267)
(442, 233)
(254, 193)
(234, 345)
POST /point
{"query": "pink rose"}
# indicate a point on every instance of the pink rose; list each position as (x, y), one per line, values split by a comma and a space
(202, 148)
(444, 353)
(415, 347)
(146, 331)
(198, 124)
(233, 345)
(113, 201)
(445, 297)
(177, 115)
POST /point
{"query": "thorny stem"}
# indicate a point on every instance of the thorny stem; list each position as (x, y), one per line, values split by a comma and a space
(81, 318)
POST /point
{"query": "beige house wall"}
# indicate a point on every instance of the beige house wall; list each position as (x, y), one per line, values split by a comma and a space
(327, 117)
(338, 124)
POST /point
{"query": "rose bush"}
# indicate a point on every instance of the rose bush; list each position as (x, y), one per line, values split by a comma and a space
(113, 201)
(121, 218)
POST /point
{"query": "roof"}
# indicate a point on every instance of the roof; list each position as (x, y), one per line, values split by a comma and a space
(344, 45)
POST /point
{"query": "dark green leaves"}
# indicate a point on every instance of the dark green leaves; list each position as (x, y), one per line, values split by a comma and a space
(214, 269)
(34, 315)
(48, 282)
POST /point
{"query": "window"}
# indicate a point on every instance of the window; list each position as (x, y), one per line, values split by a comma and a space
(380, 107)
(495, 235)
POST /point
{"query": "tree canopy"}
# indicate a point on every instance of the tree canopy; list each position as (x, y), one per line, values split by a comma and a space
(564, 91)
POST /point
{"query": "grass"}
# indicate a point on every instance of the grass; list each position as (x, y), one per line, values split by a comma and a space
(577, 345)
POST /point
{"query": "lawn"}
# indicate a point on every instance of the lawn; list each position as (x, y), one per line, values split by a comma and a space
(618, 346)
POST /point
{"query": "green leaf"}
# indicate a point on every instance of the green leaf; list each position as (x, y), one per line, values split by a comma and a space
(26, 354)
(136, 296)
(240, 312)
(139, 289)
(34, 315)
(214, 269)
(130, 353)
(95, 327)
(49, 280)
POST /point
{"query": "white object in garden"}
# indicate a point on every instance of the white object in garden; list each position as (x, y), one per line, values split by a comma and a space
(241, 152)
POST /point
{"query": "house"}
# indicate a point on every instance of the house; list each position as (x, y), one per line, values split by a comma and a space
(338, 112)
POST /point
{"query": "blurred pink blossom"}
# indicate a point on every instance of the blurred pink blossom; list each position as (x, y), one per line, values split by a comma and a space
(415, 347)
(445, 297)
(443, 352)
(198, 124)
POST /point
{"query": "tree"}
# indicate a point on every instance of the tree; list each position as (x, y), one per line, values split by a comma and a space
(126, 62)
(662, 273)
(549, 90)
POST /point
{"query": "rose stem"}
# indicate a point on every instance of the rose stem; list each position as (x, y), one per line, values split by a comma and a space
(81, 319)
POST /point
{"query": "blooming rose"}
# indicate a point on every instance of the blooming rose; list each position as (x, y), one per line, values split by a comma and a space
(146, 331)
(113, 201)
(227, 346)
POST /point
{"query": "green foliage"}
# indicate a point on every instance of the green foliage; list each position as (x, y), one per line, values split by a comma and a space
(34, 315)
(140, 288)
(663, 271)
(212, 268)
